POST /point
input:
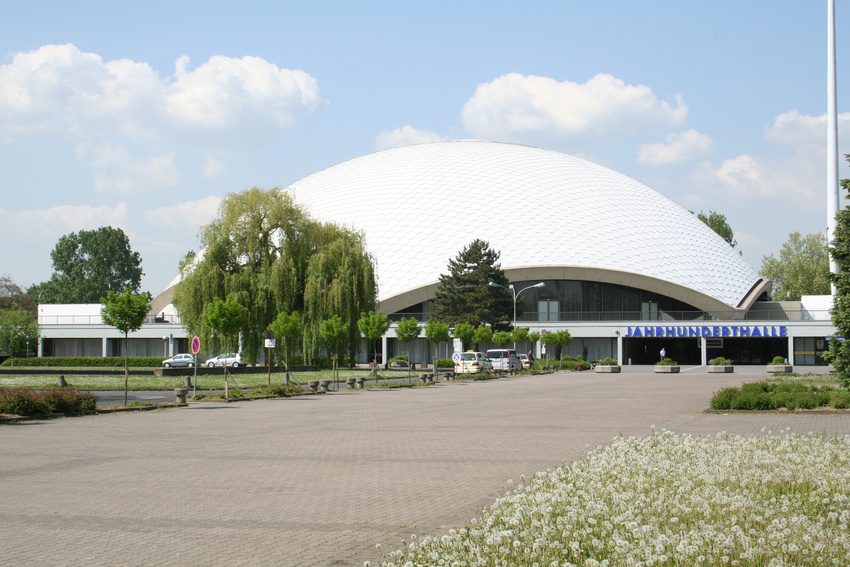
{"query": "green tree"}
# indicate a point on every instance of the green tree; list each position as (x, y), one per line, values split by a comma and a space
(13, 298)
(718, 224)
(268, 250)
(89, 264)
(464, 295)
(126, 312)
(465, 332)
(19, 332)
(839, 345)
(502, 338)
(334, 333)
(483, 335)
(436, 332)
(287, 330)
(519, 334)
(373, 326)
(225, 319)
(802, 267)
(407, 331)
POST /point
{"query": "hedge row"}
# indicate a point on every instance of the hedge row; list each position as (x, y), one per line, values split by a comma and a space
(26, 401)
(99, 361)
(766, 396)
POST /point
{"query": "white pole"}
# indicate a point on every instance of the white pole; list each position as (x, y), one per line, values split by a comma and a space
(832, 198)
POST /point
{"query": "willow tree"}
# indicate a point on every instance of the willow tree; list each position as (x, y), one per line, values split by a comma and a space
(261, 248)
(340, 281)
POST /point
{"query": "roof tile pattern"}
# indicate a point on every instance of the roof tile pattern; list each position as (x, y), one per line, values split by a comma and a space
(420, 205)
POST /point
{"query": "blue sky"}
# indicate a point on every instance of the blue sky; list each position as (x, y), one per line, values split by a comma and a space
(143, 115)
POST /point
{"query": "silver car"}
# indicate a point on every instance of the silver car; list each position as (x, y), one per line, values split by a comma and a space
(179, 360)
(233, 359)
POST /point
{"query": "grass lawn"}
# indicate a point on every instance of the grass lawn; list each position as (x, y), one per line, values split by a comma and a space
(205, 382)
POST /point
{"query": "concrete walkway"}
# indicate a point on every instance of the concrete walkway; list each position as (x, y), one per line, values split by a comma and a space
(320, 480)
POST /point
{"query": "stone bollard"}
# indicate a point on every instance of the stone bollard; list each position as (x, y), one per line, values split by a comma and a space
(324, 385)
(62, 382)
(188, 382)
(350, 382)
(180, 394)
(360, 382)
(314, 385)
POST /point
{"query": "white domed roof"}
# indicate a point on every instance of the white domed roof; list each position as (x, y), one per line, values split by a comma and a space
(419, 206)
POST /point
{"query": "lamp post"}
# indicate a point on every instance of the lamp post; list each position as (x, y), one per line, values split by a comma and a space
(516, 294)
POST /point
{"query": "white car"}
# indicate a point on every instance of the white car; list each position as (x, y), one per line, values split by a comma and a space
(179, 360)
(504, 359)
(233, 359)
(473, 363)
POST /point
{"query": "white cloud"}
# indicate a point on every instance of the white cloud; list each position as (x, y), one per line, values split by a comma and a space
(676, 147)
(190, 213)
(213, 168)
(514, 107)
(118, 171)
(226, 101)
(793, 128)
(405, 136)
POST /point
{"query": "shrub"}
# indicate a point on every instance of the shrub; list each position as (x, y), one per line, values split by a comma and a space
(806, 400)
(778, 360)
(784, 400)
(608, 361)
(722, 400)
(666, 362)
(840, 400)
(21, 401)
(445, 363)
(752, 401)
(278, 390)
(97, 361)
(720, 361)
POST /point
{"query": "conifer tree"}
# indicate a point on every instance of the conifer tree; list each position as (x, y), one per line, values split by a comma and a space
(839, 346)
(465, 295)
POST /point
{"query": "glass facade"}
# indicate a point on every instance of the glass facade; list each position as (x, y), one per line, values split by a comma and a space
(573, 300)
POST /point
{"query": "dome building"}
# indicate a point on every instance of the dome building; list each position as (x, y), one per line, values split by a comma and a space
(626, 270)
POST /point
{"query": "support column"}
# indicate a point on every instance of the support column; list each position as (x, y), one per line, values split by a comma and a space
(383, 350)
(703, 355)
(619, 349)
(105, 348)
(791, 356)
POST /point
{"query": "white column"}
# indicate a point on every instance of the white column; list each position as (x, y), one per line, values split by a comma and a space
(104, 349)
(383, 350)
(791, 350)
(619, 349)
(832, 198)
(703, 351)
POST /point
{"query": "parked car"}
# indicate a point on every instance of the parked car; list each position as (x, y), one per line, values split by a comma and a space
(526, 363)
(179, 360)
(473, 363)
(233, 359)
(504, 359)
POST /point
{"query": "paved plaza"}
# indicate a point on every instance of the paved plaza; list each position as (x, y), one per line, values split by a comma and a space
(320, 480)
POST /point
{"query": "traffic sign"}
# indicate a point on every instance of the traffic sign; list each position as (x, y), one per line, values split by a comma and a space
(456, 357)
(196, 345)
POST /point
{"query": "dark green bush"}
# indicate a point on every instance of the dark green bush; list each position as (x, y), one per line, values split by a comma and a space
(720, 361)
(445, 363)
(608, 361)
(96, 361)
(278, 390)
(21, 401)
(666, 362)
(722, 400)
(756, 387)
(840, 399)
(778, 360)
(26, 401)
(806, 400)
(786, 400)
(752, 401)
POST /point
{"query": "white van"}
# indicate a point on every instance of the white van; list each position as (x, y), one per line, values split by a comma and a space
(504, 359)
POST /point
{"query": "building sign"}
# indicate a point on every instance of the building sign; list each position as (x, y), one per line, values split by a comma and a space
(690, 331)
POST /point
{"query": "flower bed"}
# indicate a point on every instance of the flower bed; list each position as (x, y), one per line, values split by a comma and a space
(774, 500)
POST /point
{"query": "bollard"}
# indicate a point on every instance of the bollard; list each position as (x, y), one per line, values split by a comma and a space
(62, 382)
(188, 382)
(180, 394)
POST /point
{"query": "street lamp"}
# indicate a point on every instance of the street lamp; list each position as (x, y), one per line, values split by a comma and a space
(516, 294)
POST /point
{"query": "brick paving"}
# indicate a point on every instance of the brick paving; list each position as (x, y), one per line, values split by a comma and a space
(320, 480)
